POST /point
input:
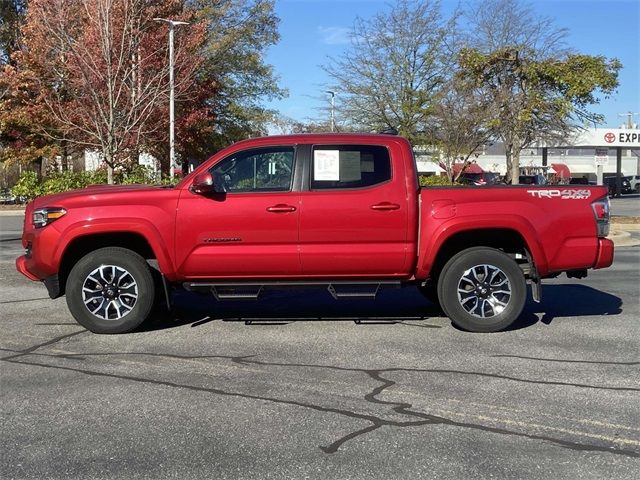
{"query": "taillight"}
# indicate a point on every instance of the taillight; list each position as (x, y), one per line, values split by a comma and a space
(601, 211)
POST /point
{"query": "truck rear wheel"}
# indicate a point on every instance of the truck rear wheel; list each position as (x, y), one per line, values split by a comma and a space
(482, 289)
(110, 290)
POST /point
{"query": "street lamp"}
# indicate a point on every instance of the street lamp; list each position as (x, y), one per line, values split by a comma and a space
(172, 154)
(333, 108)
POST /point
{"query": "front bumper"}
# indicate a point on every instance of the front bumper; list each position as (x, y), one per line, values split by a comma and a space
(21, 266)
(52, 282)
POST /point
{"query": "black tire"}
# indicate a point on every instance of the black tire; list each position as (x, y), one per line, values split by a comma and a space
(482, 289)
(430, 292)
(114, 275)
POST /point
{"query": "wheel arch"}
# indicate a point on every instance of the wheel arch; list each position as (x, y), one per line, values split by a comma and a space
(84, 244)
(508, 240)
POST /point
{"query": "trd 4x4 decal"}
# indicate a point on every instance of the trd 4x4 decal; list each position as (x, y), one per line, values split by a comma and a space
(563, 194)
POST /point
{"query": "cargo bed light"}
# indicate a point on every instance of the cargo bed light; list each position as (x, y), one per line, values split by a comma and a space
(44, 216)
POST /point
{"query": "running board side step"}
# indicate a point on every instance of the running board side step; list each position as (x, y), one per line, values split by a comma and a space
(252, 290)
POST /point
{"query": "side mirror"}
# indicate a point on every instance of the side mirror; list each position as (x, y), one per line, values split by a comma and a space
(205, 183)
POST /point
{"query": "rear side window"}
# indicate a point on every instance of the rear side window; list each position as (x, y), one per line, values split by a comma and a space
(349, 166)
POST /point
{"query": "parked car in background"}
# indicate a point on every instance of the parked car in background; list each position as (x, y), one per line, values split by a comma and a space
(610, 183)
(579, 181)
(484, 178)
(634, 181)
(533, 180)
(6, 198)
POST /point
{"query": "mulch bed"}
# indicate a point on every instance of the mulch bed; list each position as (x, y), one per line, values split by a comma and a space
(617, 219)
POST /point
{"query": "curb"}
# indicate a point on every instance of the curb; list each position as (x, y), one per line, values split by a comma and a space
(12, 213)
(621, 236)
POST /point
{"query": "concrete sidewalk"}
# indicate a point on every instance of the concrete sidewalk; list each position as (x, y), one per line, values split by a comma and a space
(11, 212)
(621, 234)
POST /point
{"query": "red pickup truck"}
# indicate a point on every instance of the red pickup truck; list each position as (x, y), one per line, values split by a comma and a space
(343, 211)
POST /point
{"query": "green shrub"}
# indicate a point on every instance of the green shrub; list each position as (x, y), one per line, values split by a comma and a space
(139, 174)
(434, 181)
(28, 187)
(63, 181)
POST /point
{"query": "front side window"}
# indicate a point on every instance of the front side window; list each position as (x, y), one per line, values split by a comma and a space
(259, 170)
(349, 166)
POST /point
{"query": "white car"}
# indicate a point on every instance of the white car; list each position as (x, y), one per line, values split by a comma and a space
(634, 180)
(6, 198)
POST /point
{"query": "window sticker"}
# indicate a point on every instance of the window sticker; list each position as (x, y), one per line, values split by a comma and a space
(326, 165)
(350, 166)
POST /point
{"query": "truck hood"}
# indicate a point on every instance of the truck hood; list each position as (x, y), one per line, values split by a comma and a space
(94, 193)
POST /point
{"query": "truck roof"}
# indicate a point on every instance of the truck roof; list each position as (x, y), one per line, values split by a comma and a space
(321, 137)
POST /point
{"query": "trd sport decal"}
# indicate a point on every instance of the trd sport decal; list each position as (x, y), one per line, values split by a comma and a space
(563, 194)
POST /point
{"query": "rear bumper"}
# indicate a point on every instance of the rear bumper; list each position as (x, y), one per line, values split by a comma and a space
(604, 258)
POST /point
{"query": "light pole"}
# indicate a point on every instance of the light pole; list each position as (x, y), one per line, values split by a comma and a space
(629, 116)
(172, 145)
(333, 108)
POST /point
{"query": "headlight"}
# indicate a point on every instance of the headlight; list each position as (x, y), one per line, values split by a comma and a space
(44, 216)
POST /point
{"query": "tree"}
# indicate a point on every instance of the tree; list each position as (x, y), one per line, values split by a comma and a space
(396, 65)
(12, 13)
(496, 24)
(96, 73)
(238, 35)
(460, 125)
(535, 99)
(24, 119)
(20, 142)
(101, 69)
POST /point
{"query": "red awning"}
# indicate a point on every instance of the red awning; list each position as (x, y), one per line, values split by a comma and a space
(562, 171)
(471, 168)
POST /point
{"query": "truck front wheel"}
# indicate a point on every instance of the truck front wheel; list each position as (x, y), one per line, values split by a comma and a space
(482, 289)
(110, 290)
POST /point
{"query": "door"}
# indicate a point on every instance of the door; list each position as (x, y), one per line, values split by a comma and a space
(354, 215)
(251, 230)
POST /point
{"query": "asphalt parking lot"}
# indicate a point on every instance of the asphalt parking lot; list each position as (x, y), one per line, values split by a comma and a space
(306, 392)
(626, 205)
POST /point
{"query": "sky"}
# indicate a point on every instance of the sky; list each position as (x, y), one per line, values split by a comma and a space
(314, 31)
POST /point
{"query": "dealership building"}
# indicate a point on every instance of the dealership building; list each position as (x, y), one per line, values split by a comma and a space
(610, 149)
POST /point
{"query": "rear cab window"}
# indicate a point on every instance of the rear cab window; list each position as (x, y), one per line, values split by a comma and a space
(349, 166)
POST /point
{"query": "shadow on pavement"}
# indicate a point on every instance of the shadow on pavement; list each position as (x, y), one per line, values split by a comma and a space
(392, 307)
(574, 300)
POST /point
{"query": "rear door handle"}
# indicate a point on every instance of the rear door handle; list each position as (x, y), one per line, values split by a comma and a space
(281, 208)
(385, 206)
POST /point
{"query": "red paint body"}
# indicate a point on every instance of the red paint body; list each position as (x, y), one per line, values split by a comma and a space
(391, 230)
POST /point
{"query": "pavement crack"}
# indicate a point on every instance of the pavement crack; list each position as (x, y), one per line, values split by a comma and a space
(25, 300)
(402, 408)
(53, 341)
(559, 360)
(456, 372)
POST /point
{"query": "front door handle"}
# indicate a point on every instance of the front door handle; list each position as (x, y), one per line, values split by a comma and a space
(281, 208)
(385, 206)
